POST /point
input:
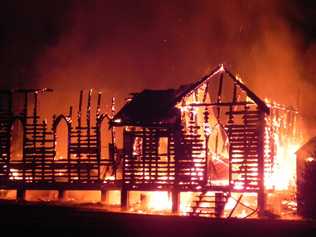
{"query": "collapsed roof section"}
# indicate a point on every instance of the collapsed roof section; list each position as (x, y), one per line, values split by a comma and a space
(158, 107)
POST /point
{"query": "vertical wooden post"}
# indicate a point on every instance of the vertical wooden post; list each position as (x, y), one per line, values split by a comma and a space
(8, 135)
(206, 176)
(25, 115)
(20, 194)
(124, 198)
(261, 193)
(88, 123)
(35, 131)
(61, 195)
(104, 196)
(79, 132)
(54, 129)
(229, 132)
(175, 201)
(219, 204)
(98, 135)
(69, 134)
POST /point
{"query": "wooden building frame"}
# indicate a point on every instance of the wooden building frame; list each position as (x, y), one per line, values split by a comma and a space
(181, 117)
(171, 141)
(39, 168)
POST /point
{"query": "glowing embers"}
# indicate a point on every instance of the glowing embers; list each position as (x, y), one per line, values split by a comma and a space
(118, 121)
(16, 174)
(310, 159)
(203, 204)
(241, 205)
(282, 204)
(209, 204)
(150, 202)
(218, 204)
(138, 147)
(213, 204)
(109, 179)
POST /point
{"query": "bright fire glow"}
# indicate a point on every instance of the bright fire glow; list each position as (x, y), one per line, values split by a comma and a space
(281, 143)
(279, 146)
(309, 159)
(284, 170)
(159, 201)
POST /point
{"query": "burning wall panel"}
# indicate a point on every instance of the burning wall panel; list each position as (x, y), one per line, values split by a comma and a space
(36, 162)
(5, 124)
(143, 161)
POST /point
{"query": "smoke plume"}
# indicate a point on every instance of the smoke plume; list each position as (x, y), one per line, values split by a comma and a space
(119, 47)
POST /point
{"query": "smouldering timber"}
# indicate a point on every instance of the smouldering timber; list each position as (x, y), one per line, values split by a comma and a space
(211, 148)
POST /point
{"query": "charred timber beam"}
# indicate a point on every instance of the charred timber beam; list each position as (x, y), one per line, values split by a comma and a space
(219, 104)
(140, 124)
(219, 204)
(197, 84)
(61, 194)
(33, 90)
(20, 194)
(124, 198)
(261, 192)
(104, 195)
(252, 95)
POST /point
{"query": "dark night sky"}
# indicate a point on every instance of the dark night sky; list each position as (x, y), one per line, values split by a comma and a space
(122, 46)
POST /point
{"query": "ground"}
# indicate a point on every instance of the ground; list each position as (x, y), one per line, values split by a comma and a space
(41, 219)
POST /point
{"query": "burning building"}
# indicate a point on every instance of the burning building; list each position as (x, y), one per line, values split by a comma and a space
(212, 142)
(214, 137)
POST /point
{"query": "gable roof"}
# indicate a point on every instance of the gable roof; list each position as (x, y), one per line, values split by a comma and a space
(150, 106)
(158, 106)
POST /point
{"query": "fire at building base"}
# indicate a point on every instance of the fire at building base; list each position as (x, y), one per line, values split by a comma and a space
(211, 148)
